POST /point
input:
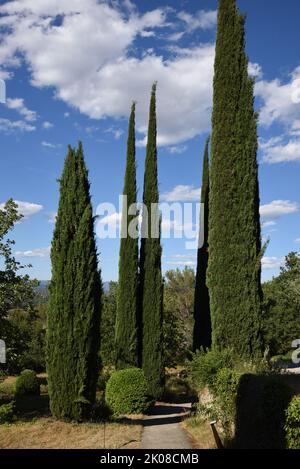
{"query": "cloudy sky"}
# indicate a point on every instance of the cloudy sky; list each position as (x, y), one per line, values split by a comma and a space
(72, 69)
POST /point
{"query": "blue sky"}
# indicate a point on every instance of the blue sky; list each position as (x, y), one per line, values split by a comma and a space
(72, 68)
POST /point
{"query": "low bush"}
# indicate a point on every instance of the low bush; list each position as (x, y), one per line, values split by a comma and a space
(7, 412)
(127, 392)
(292, 424)
(203, 368)
(7, 390)
(27, 384)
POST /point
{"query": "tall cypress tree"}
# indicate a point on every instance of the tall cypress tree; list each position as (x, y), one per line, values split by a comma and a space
(202, 325)
(126, 321)
(234, 224)
(151, 287)
(75, 297)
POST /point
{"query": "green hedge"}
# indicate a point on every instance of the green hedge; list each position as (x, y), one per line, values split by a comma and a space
(292, 424)
(7, 412)
(27, 384)
(203, 368)
(127, 392)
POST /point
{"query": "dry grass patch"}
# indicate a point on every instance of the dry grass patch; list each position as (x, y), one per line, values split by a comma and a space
(47, 433)
(200, 432)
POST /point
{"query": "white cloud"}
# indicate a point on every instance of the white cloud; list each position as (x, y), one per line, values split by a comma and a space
(255, 70)
(66, 114)
(178, 149)
(51, 217)
(8, 126)
(182, 263)
(271, 262)
(18, 105)
(200, 20)
(280, 101)
(47, 125)
(182, 193)
(50, 145)
(267, 224)
(117, 133)
(278, 208)
(276, 152)
(38, 252)
(108, 75)
(297, 240)
(27, 209)
(174, 37)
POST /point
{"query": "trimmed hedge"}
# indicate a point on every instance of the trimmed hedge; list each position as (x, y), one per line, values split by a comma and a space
(7, 412)
(292, 424)
(127, 392)
(27, 384)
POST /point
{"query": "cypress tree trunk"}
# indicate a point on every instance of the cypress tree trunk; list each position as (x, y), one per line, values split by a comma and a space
(151, 286)
(126, 321)
(202, 325)
(234, 224)
(75, 298)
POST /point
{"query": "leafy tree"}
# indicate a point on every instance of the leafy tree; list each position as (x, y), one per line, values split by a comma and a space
(27, 339)
(234, 225)
(108, 320)
(126, 321)
(282, 306)
(75, 297)
(16, 290)
(178, 315)
(202, 326)
(150, 289)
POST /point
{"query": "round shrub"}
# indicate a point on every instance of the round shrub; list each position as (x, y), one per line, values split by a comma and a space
(127, 392)
(7, 412)
(27, 384)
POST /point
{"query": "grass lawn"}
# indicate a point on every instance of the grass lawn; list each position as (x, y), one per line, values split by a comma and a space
(33, 427)
(47, 433)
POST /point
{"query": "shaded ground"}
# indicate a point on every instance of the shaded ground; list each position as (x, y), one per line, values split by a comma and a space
(162, 429)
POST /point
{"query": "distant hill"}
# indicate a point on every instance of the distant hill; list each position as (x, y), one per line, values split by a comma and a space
(42, 289)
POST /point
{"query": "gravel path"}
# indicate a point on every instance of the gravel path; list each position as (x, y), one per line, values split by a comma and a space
(162, 428)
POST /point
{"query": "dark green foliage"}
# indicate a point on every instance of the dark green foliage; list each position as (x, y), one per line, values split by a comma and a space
(292, 424)
(225, 388)
(27, 384)
(234, 224)
(203, 368)
(26, 330)
(281, 307)
(179, 289)
(127, 392)
(75, 297)
(7, 412)
(16, 291)
(108, 321)
(126, 322)
(202, 326)
(151, 286)
(261, 412)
